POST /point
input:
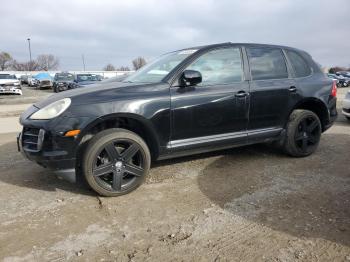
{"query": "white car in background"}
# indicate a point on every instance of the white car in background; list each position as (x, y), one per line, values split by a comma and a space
(9, 84)
(346, 106)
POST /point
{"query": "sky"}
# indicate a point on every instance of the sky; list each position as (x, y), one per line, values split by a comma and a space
(117, 31)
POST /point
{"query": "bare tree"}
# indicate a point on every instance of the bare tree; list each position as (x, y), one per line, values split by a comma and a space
(47, 62)
(138, 62)
(5, 60)
(25, 66)
(335, 69)
(123, 68)
(109, 67)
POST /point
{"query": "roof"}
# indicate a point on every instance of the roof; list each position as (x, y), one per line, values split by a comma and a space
(240, 44)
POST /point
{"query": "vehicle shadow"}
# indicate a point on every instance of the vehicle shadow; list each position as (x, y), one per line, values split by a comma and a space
(18, 171)
(304, 197)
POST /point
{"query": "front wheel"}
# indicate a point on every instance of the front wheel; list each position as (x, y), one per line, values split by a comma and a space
(116, 162)
(303, 133)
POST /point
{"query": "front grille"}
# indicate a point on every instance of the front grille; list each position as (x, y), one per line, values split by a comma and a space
(8, 84)
(32, 139)
(45, 82)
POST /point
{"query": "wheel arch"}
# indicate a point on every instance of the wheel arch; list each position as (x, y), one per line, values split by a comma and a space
(132, 122)
(317, 106)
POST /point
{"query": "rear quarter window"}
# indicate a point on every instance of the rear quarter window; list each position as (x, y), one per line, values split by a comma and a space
(300, 66)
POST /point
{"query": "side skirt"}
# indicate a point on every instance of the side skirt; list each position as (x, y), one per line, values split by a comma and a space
(198, 145)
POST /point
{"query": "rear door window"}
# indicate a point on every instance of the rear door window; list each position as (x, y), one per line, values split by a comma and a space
(267, 63)
(300, 66)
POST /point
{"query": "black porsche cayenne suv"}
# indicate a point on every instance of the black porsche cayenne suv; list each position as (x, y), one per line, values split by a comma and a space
(185, 102)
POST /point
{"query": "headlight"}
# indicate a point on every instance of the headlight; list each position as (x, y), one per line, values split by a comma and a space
(52, 110)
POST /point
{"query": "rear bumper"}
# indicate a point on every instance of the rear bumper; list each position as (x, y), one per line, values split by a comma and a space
(332, 113)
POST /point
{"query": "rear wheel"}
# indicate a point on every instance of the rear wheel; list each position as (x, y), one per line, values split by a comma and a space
(116, 162)
(303, 133)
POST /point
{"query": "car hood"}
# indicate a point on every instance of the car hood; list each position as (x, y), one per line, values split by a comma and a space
(8, 81)
(90, 93)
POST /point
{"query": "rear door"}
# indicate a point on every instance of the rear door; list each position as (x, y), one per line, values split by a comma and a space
(272, 90)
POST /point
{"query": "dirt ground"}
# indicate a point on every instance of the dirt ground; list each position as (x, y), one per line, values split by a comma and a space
(245, 204)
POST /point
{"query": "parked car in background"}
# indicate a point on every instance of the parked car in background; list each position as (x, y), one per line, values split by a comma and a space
(345, 76)
(185, 102)
(62, 81)
(9, 84)
(343, 73)
(24, 79)
(32, 82)
(341, 80)
(81, 80)
(346, 106)
(43, 80)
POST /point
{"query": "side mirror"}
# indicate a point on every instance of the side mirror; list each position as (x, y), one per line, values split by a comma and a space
(190, 78)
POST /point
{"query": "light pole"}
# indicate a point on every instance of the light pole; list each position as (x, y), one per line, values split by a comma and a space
(30, 51)
(83, 58)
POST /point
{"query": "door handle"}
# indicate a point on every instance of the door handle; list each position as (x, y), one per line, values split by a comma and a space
(293, 89)
(241, 94)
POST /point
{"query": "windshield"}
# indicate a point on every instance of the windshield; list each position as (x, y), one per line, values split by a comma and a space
(88, 77)
(155, 71)
(65, 77)
(7, 76)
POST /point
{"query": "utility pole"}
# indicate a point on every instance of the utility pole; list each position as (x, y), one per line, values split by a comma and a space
(82, 57)
(30, 56)
(30, 51)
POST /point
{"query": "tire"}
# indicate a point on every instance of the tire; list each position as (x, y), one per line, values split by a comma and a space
(303, 133)
(116, 162)
(345, 84)
(348, 118)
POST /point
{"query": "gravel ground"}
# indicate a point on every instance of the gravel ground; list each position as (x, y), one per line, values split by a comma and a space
(30, 95)
(245, 204)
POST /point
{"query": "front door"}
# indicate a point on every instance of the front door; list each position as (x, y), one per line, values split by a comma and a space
(216, 109)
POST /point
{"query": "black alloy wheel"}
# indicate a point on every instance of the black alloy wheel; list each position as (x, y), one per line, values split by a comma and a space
(308, 133)
(303, 133)
(116, 162)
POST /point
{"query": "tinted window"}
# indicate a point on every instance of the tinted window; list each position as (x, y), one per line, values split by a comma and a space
(219, 66)
(300, 66)
(267, 63)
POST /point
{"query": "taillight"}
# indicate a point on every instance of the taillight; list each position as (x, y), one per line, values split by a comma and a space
(334, 89)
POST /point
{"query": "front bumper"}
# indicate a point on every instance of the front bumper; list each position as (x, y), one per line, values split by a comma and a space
(13, 90)
(346, 105)
(48, 151)
(346, 112)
